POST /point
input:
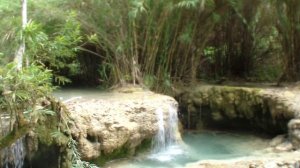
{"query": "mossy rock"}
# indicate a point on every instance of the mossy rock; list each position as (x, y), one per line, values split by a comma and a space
(123, 152)
(118, 153)
(256, 108)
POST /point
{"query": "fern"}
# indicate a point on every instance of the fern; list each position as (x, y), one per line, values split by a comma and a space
(77, 162)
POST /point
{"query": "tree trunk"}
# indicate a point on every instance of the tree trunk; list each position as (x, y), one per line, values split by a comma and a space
(20, 120)
(20, 52)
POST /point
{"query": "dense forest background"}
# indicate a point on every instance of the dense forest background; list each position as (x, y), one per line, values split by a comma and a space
(154, 42)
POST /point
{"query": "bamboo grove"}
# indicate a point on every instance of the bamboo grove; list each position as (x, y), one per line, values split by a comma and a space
(157, 42)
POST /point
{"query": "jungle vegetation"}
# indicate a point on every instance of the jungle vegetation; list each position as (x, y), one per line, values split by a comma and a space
(156, 42)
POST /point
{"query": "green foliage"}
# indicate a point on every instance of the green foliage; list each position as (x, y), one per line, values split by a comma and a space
(147, 38)
(1, 58)
(288, 23)
(243, 42)
(104, 71)
(31, 82)
(52, 36)
(149, 81)
(77, 162)
(154, 39)
(22, 90)
(269, 73)
(9, 28)
(209, 54)
(56, 51)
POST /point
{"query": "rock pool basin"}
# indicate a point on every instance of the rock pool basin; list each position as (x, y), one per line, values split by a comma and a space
(196, 147)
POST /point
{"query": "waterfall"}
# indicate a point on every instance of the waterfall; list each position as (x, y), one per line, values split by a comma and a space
(172, 131)
(13, 156)
(159, 142)
(165, 142)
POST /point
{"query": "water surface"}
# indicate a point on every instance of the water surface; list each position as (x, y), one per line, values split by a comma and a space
(196, 147)
(68, 93)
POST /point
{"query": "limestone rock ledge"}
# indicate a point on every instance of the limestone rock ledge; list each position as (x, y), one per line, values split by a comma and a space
(259, 108)
(115, 121)
(271, 110)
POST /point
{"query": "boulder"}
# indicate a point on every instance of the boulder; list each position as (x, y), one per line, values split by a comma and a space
(116, 121)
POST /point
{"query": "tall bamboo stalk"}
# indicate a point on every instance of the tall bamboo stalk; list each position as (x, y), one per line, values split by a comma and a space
(19, 56)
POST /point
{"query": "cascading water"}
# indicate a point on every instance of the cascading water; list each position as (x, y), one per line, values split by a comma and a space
(13, 156)
(172, 131)
(169, 150)
(159, 142)
(165, 143)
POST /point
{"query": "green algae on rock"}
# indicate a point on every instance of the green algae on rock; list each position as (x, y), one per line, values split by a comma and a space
(266, 109)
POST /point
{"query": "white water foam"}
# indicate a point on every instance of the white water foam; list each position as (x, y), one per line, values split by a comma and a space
(172, 131)
(165, 143)
(159, 142)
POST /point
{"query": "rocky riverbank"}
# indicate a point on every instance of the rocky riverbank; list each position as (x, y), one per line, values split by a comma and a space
(271, 160)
